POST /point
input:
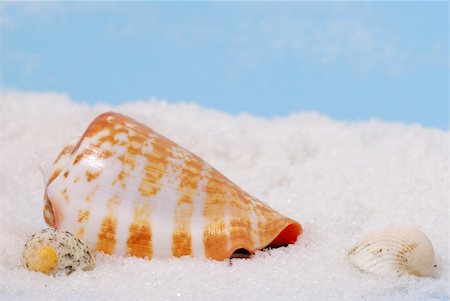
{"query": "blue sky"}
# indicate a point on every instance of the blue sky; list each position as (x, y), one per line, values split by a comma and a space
(347, 60)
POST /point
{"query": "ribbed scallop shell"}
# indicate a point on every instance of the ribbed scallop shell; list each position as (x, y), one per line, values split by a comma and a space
(125, 189)
(394, 251)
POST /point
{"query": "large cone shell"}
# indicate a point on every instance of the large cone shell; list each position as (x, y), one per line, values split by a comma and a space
(125, 189)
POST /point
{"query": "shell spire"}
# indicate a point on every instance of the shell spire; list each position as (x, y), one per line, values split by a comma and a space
(125, 189)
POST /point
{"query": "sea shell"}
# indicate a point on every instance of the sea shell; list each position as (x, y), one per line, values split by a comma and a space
(394, 251)
(54, 252)
(127, 190)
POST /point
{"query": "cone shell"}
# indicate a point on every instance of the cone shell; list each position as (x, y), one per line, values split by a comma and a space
(125, 189)
(394, 251)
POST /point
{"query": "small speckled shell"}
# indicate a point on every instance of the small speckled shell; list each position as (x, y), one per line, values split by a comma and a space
(127, 190)
(394, 251)
(72, 254)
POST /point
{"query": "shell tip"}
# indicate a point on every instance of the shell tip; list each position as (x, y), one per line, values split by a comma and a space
(45, 260)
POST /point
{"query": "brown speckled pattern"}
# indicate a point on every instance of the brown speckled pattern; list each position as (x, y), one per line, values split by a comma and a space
(73, 254)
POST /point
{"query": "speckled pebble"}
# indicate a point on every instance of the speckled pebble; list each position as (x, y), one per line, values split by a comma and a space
(72, 253)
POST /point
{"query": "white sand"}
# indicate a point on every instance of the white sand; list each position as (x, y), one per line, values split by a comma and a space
(340, 180)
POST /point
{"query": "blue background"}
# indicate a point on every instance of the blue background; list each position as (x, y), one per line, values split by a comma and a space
(351, 61)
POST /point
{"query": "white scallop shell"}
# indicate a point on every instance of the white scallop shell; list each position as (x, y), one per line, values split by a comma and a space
(394, 251)
(72, 253)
